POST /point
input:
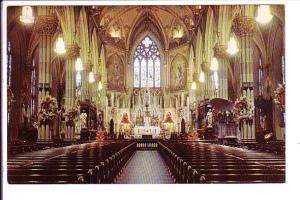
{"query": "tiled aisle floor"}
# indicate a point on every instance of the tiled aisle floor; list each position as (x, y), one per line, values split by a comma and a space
(145, 167)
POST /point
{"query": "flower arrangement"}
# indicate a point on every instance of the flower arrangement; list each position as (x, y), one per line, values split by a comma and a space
(48, 111)
(71, 115)
(279, 97)
(243, 109)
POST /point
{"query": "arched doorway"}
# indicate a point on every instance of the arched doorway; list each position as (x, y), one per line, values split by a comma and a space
(111, 127)
(182, 126)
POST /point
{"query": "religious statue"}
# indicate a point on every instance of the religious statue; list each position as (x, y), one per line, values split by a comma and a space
(209, 118)
(83, 119)
(180, 75)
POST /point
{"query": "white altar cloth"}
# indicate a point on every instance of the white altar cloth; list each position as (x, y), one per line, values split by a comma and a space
(139, 131)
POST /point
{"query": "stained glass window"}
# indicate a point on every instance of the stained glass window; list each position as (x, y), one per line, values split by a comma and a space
(146, 64)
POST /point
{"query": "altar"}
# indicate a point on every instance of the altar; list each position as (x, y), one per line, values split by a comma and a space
(140, 131)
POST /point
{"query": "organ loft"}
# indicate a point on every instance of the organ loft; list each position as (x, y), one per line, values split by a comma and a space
(133, 94)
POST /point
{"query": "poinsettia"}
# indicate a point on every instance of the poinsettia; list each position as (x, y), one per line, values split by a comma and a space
(243, 108)
(48, 111)
(71, 115)
(279, 97)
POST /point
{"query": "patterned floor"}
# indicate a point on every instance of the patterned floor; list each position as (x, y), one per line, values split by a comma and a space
(145, 167)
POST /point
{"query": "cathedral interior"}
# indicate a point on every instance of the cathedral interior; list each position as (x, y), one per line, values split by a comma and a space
(145, 94)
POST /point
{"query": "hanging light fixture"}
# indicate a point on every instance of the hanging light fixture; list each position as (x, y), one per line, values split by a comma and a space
(201, 77)
(194, 86)
(91, 77)
(214, 65)
(232, 48)
(264, 14)
(60, 46)
(78, 65)
(26, 16)
(100, 86)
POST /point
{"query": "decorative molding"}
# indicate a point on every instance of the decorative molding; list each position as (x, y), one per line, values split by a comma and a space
(46, 24)
(244, 26)
(73, 51)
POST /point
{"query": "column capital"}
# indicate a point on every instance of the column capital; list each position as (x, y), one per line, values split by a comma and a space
(73, 51)
(220, 51)
(88, 66)
(244, 26)
(46, 24)
(205, 66)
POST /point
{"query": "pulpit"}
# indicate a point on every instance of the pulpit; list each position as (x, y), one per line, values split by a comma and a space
(88, 118)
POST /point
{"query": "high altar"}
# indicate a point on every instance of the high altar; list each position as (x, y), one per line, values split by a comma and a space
(148, 115)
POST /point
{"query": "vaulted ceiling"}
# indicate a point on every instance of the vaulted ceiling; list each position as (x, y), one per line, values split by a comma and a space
(122, 25)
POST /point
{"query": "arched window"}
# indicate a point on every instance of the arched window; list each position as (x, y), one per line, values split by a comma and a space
(146, 64)
(8, 64)
(33, 86)
(78, 83)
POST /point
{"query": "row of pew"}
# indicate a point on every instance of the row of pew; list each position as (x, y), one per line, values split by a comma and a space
(196, 162)
(23, 147)
(71, 164)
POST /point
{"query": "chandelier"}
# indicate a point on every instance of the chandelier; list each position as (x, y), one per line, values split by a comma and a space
(264, 14)
(201, 77)
(232, 48)
(26, 16)
(91, 77)
(60, 46)
(100, 87)
(78, 65)
(194, 86)
(214, 65)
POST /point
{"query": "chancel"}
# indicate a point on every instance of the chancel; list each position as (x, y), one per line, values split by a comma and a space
(145, 94)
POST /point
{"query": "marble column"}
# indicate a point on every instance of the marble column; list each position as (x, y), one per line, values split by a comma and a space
(208, 85)
(244, 27)
(85, 80)
(221, 55)
(45, 26)
(72, 54)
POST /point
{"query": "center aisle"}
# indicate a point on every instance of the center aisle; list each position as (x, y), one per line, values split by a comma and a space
(145, 167)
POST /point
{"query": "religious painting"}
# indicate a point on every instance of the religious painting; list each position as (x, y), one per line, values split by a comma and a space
(178, 72)
(115, 73)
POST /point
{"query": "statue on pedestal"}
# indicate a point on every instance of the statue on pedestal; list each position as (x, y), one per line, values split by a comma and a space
(83, 119)
(209, 118)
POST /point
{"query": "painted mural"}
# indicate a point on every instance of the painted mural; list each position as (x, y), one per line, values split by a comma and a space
(115, 73)
(179, 72)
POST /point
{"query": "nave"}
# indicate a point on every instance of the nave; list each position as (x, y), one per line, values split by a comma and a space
(146, 161)
(101, 94)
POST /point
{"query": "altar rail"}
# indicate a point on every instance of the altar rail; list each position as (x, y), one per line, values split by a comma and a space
(146, 144)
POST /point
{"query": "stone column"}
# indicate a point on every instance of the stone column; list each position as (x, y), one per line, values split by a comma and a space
(45, 26)
(244, 26)
(85, 80)
(207, 86)
(72, 54)
(221, 55)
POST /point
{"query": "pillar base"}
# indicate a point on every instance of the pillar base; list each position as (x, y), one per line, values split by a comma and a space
(44, 141)
(248, 141)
